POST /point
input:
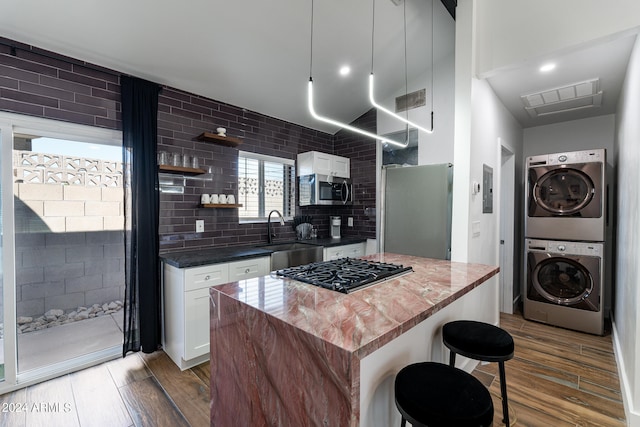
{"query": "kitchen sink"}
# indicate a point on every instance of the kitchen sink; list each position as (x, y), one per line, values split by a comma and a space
(291, 254)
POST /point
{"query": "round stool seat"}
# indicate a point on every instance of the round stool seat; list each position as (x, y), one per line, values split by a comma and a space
(434, 394)
(477, 340)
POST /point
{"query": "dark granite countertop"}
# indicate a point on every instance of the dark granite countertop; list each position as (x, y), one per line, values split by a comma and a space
(328, 242)
(194, 258)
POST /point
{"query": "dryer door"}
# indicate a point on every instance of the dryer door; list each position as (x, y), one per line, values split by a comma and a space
(566, 280)
(565, 191)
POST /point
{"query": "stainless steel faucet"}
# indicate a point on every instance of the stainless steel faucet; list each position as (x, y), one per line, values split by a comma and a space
(269, 233)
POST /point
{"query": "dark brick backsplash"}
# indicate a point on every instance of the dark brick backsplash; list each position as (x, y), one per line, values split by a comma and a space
(44, 84)
(56, 87)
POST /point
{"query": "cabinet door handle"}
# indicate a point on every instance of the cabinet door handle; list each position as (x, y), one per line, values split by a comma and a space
(247, 271)
(207, 277)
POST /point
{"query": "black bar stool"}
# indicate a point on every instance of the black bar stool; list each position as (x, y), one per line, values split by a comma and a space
(480, 341)
(437, 395)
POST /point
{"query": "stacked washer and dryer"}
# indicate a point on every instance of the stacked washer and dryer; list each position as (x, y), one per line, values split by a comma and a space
(565, 229)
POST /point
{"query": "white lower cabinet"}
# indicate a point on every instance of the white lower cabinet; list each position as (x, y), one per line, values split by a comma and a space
(196, 311)
(352, 251)
(186, 305)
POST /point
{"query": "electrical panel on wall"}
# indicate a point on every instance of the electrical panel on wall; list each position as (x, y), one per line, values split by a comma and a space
(487, 189)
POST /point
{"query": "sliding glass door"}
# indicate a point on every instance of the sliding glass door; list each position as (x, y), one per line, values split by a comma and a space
(1, 274)
(69, 247)
(63, 278)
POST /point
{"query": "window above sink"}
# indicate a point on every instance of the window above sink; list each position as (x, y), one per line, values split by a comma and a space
(265, 183)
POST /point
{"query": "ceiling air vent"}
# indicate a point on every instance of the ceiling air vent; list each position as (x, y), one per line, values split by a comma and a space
(411, 100)
(575, 96)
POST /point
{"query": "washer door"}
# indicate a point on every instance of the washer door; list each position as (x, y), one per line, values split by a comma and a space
(562, 280)
(563, 191)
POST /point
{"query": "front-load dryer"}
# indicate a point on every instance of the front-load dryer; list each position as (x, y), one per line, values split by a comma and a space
(565, 284)
(566, 196)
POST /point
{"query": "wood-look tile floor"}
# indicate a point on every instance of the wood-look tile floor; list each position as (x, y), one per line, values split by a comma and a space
(557, 378)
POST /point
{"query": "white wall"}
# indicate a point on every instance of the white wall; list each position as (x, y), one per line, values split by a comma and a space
(626, 328)
(482, 122)
(491, 125)
(436, 147)
(585, 134)
(465, 28)
(513, 31)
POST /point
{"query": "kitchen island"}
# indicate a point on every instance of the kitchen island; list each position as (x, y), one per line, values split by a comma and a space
(284, 353)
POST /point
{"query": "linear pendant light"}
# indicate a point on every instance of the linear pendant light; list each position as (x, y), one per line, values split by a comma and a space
(344, 125)
(391, 113)
(334, 122)
(371, 78)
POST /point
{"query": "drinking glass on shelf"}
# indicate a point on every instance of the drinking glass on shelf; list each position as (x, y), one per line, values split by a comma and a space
(195, 163)
(186, 161)
(176, 159)
(162, 157)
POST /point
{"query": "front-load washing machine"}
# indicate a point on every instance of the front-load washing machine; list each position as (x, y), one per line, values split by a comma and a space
(566, 196)
(565, 284)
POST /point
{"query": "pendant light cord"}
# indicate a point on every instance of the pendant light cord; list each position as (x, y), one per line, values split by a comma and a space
(406, 79)
(311, 45)
(334, 122)
(432, 63)
(373, 29)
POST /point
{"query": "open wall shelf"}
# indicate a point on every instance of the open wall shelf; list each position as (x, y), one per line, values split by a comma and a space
(220, 205)
(180, 169)
(214, 138)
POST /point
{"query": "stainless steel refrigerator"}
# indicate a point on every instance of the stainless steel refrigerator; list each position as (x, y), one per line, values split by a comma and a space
(416, 210)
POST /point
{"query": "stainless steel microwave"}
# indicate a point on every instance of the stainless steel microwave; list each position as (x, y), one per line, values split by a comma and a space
(319, 189)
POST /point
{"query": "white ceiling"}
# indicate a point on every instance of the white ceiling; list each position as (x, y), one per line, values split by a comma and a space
(604, 59)
(256, 54)
(250, 53)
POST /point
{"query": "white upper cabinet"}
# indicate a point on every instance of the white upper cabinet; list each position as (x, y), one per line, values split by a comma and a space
(315, 162)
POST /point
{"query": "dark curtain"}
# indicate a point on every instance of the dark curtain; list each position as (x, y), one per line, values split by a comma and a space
(142, 291)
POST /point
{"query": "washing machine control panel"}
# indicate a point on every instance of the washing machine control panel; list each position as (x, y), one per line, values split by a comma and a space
(567, 248)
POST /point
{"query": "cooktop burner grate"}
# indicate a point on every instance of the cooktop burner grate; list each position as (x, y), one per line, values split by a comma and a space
(344, 274)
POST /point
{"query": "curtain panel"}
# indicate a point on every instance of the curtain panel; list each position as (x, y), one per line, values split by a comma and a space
(142, 271)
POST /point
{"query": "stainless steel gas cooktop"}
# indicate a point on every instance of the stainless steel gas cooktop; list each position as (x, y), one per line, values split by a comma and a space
(344, 274)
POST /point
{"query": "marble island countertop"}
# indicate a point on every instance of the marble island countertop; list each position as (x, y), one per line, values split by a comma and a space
(364, 320)
(287, 353)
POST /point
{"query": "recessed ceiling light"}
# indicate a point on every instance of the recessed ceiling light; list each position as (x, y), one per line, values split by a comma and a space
(547, 67)
(345, 70)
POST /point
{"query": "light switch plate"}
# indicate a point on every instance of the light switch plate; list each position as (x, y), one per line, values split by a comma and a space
(350, 221)
(475, 228)
(199, 225)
